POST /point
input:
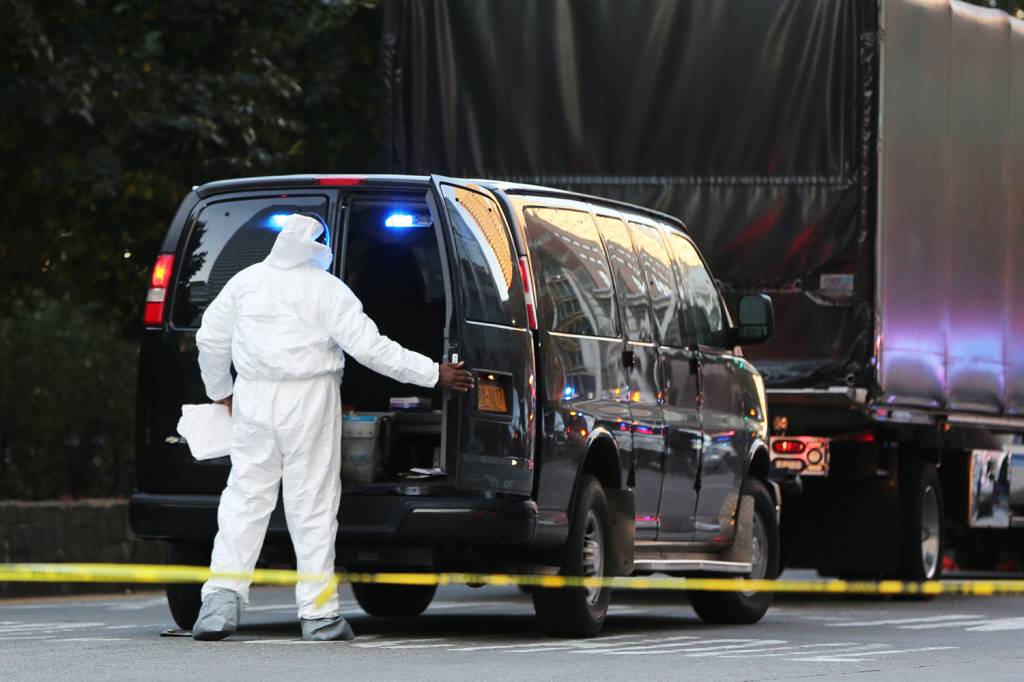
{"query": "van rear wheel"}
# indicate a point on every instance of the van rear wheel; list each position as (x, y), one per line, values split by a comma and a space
(578, 611)
(394, 601)
(185, 599)
(747, 607)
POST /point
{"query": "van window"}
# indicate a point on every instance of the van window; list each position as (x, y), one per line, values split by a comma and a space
(705, 316)
(661, 282)
(574, 284)
(229, 236)
(490, 288)
(629, 279)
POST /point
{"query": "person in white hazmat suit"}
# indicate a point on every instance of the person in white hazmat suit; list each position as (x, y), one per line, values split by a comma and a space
(284, 323)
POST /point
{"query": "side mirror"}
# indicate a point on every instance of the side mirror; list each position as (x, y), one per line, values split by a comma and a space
(756, 320)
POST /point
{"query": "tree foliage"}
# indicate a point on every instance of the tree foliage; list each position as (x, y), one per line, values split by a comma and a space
(109, 112)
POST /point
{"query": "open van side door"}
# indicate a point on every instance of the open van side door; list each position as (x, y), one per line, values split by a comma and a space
(489, 428)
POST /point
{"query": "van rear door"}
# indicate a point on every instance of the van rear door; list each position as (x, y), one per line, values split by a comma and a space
(492, 431)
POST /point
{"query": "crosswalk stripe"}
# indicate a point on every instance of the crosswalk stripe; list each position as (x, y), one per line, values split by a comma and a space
(902, 621)
(947, 624)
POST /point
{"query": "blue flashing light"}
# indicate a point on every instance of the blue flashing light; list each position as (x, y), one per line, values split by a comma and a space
(400, 220)
(276, 221)
(569, 393)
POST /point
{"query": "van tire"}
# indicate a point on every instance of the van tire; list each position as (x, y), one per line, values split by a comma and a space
(738, 608)
(185, 599)
(575, 611)
(393, 601)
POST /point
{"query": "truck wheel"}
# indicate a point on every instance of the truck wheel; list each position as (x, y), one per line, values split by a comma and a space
(185, 599)
(394, 601)
(921, 517)
(578, 611)
(747, 607)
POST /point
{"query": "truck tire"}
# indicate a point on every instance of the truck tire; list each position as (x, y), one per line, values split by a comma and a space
(577, 611)
(394, 601)
(747, 607)
(185, 599)
(921, 521)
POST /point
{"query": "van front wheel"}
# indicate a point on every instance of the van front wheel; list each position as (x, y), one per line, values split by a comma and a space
(580, 611)
(747, 607)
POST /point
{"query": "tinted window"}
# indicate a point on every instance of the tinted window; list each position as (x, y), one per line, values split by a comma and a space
(574, 285)
(485, 256)
(230, 236)
(629, 279)
(704, 314)
(661, 282)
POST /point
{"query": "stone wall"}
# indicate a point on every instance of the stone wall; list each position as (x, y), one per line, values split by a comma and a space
(79, 531)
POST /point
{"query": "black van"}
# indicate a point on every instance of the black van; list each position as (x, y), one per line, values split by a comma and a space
(615, 428)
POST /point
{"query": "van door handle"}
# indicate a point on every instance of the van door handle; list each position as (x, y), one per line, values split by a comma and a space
(628, 358)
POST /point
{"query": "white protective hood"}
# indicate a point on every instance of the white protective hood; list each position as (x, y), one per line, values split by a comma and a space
(297, 245)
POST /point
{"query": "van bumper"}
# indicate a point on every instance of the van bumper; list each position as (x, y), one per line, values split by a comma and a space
(362, 518)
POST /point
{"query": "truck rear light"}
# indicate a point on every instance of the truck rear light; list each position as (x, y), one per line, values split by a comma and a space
(805, 455)
(156, 296)
(788, 447)
(339, 180)
(531, 301)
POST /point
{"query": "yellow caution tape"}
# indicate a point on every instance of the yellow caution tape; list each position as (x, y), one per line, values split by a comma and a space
(151, 573)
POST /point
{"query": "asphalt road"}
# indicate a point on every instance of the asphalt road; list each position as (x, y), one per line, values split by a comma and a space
(489, 634)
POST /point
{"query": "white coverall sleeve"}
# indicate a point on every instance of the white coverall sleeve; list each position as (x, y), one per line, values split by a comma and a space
(358, 336)
(214, 342)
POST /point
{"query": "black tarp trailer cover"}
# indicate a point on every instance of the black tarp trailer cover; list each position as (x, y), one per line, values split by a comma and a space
(854, 158)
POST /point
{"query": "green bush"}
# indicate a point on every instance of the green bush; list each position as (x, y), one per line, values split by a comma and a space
(67, 387)
(109, 112)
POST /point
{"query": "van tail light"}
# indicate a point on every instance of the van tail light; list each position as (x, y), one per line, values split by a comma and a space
(531, 300)
(156, 297)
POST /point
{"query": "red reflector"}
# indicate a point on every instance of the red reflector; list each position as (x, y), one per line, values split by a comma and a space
(522, 273)
(339, 180)
(531, 308)
(162, 271)
(154, 314)
(788, 447)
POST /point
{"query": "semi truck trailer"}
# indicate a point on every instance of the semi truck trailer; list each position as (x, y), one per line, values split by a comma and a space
(860, 160)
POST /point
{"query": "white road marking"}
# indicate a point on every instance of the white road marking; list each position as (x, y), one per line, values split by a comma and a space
(39, 628)
(92, 639)
(391, 642)
(947, 624)
(903, 621)
(138, 605)
(600, 642)
(690, 648)
(786, 650)
(867, 656)
(999, 625)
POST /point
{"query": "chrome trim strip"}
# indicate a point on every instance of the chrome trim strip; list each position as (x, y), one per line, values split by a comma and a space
(441, 510)
(506, 327)
(711, 566)
(585, 336)
(983, 420)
